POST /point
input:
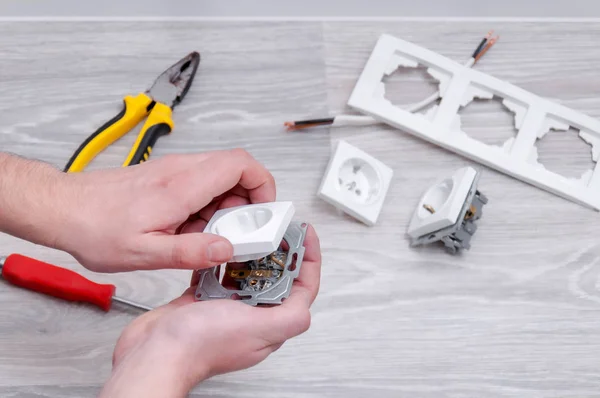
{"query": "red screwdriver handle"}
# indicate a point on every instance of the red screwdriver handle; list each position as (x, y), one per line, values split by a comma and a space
(55, 281)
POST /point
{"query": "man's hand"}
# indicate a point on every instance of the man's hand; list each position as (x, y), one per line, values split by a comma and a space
(126, 219)
(167, 351)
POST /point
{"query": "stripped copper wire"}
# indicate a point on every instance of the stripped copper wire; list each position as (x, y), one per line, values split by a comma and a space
(482, 44)
(292, 127)
(489, 45)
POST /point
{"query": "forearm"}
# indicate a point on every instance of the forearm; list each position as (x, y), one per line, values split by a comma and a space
(34, 200)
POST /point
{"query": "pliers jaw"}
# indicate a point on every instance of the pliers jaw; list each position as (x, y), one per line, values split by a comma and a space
(173, 84)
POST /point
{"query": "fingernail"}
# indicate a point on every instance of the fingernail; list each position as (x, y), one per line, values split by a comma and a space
(219, 251)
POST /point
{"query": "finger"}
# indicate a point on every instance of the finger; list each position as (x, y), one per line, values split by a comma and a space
(187, 297)
(306, 285)
(186, 251)
(312, 245)
(293, 316)
(283, 322)
(237, 190)
(231, 200)
(192, 218)
(194, 226)
(222, 172)
(240, 191)
(209, 210)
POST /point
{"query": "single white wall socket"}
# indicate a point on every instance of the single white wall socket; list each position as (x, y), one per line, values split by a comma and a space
(255, 231)
(448, 210)
(441, 204)
(356, 183)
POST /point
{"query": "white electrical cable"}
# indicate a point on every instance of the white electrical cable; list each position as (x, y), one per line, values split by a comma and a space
(359, 120)
(353, 120)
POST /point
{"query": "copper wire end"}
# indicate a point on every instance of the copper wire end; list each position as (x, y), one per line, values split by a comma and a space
(482, 44)
(489, 45)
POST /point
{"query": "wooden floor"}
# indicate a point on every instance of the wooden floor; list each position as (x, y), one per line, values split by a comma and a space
(517, 316)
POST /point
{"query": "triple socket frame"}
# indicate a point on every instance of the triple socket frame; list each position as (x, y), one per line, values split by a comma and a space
(459, 85)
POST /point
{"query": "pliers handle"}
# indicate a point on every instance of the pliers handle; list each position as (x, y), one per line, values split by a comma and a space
(156, 103)
(135, 109)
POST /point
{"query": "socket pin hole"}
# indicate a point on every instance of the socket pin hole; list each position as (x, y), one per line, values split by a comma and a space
(436, 197)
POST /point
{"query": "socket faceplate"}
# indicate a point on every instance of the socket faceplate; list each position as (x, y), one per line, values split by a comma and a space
(254, 230)
(356, 183)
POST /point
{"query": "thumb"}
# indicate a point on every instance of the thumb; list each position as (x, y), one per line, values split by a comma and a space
(188, 251)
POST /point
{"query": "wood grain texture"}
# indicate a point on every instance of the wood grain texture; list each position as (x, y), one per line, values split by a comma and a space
(517, 316)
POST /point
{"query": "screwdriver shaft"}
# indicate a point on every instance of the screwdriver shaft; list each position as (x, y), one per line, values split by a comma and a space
(131, 303)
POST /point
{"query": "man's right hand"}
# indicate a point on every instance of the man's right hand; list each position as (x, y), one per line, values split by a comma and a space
(167, 351)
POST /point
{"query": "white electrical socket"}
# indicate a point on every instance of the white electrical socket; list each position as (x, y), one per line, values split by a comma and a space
(255, 231)
(356, 183)
(441, 205)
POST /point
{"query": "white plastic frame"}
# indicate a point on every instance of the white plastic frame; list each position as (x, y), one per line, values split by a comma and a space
(459, 85)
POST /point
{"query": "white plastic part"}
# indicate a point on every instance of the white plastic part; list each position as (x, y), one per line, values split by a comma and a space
(459, 85)
(255, 231)
(446, 198)
(356, 183)
(353, 120)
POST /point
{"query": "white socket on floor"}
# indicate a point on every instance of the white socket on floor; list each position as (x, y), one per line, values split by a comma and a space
(356, 183)
(441, 205)
(255, 231)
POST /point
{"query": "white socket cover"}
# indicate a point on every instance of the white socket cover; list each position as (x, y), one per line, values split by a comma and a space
(356, 183)
(446, 198)
(255, 231)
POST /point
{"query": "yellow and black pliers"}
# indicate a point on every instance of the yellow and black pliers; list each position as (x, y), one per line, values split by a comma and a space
(156, 103)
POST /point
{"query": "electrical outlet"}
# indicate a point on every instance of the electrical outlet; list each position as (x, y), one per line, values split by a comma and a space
(448, 210)
(255, 231)
(441, 204)
(356, 183)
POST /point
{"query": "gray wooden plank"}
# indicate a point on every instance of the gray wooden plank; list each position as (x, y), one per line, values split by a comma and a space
(48, 391)
(516, 316)
(63, 80)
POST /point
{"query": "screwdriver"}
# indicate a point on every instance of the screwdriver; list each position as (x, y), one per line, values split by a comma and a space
(60, 282)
